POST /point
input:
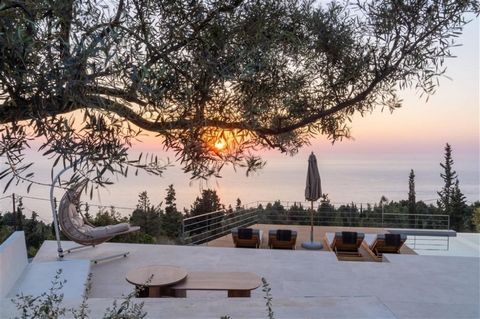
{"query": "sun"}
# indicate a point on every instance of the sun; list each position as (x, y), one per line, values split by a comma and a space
(220, 144)
(224, 142)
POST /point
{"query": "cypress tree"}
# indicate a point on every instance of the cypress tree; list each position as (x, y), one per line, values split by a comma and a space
(143, 201)
(461, 215)
(238, 205)
(147, 216)
(412, 202)
(19, 218)
(170, 204)
(209, 202)
(172, 220)
(448, 176)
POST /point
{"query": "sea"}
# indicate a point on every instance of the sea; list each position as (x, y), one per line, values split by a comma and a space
(361, 177)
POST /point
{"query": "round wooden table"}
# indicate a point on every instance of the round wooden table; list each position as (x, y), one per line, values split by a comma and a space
(154, 281)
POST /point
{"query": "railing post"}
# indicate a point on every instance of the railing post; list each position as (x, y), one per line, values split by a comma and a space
(208, 223)
(183, 231)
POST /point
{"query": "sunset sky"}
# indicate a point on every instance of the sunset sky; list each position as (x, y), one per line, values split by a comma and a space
(415, 133)
(384, 149)
(450, 115)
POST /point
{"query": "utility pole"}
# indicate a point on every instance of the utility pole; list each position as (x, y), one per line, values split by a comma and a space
(14, 212)
(383, 211)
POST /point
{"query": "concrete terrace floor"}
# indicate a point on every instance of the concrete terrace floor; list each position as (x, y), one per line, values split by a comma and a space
(305, 284)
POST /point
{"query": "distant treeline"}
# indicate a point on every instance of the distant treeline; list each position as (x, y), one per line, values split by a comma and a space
(384, 214)
(164, 224)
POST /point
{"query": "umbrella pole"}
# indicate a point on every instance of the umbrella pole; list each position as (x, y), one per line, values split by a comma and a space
(311, 222)
(311, 245)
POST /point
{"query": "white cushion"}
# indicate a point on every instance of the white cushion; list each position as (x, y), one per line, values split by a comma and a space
(85, 228)
(106, 231)
(75, 217)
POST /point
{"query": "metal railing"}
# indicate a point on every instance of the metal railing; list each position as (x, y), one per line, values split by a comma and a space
(209, 226)
(355, 219)
(428, 242)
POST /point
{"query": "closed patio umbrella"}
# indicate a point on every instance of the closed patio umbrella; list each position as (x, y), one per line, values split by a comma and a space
(313, 191)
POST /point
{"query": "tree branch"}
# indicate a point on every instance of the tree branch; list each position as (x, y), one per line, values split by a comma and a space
(108, 25)
(65, 27)
(210, 16)
(17, 4)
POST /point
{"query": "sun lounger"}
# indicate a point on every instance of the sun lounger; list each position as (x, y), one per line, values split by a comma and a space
(387, 243)
(247, 237)
(346, 243)
(282, 238)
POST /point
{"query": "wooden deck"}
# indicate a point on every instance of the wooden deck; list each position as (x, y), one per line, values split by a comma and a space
(303, 234)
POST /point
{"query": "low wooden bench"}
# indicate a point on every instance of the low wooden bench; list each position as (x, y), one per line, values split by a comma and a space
(238, 284)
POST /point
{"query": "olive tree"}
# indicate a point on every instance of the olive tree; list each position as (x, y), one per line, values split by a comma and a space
(86, 78)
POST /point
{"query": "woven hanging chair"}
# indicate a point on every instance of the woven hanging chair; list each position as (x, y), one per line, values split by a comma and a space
(75, 227)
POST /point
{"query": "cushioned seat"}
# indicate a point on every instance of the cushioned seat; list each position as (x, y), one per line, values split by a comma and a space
(247, 237)
(282, 238)
(387, 243)
(105, 231)
(347, 243)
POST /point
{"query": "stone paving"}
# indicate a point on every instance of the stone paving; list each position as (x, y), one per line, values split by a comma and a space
(305, 284)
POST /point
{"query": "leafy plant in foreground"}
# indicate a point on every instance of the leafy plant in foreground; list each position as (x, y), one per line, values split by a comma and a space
(49, 304)
(268, 297)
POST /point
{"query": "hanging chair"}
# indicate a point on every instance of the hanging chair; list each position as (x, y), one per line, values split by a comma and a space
(75, 227)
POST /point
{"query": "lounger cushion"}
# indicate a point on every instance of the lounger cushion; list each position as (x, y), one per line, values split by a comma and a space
(273, 232)
(245, 233)
(282, 238)
(247, 237)
(349, 237)
(284, 234)
(106, 231)
(386, 243)
(393, 240)
(254, 231)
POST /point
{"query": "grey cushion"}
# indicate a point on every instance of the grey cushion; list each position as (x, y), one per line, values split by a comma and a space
(393, 240)
(284, 234)
(245, 233)
(402, 237)
(106, 231)
(273, 232)
(254, 231)
(349, 237)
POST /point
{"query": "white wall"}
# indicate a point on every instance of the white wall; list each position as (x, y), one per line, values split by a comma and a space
(13, 260)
